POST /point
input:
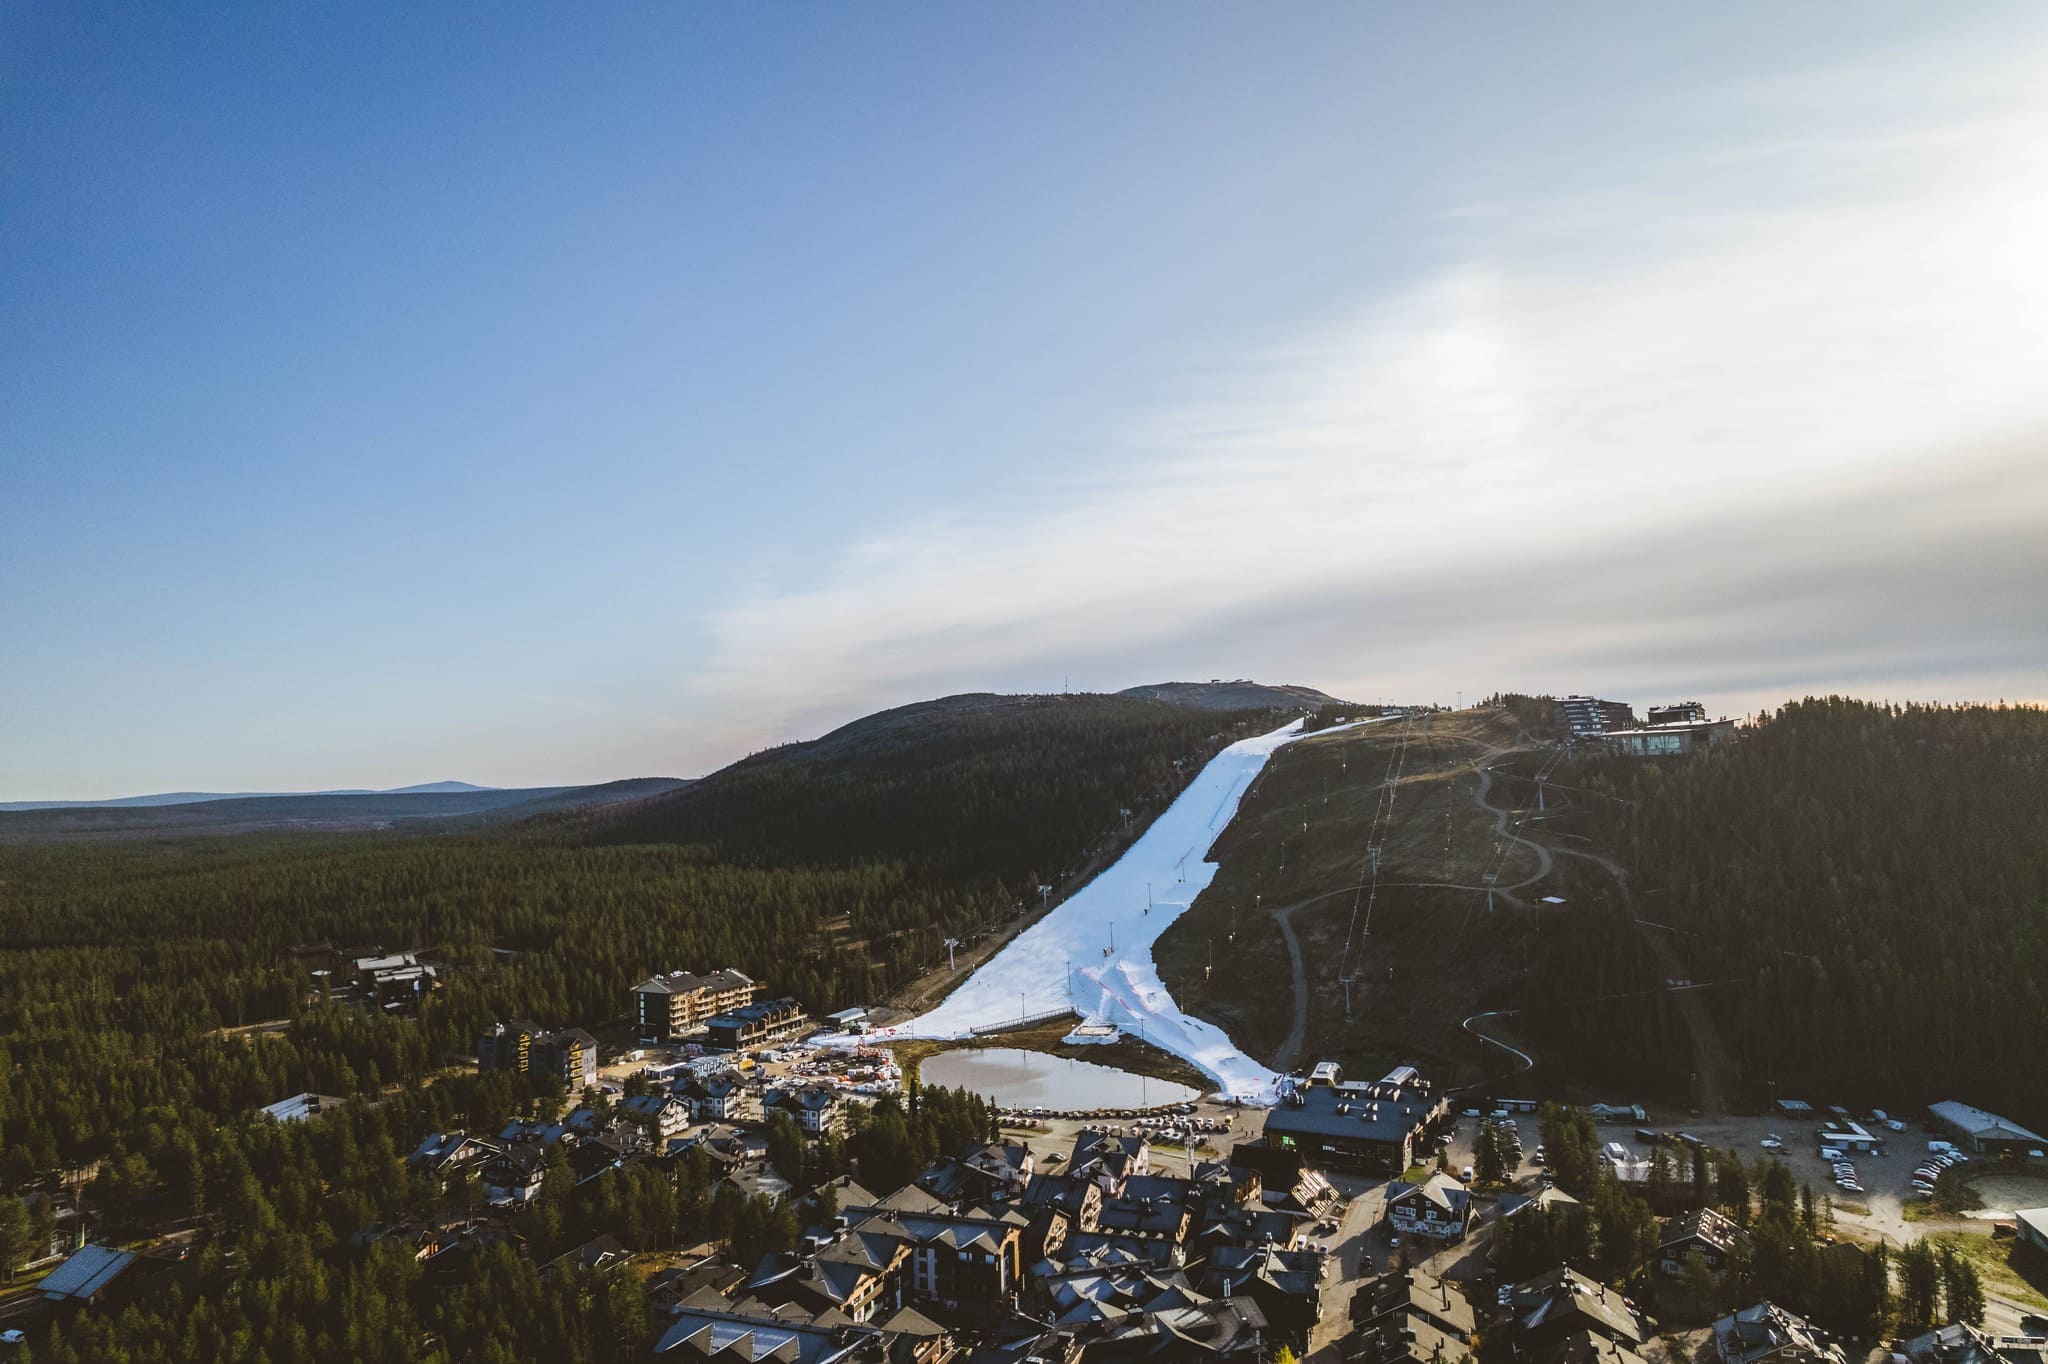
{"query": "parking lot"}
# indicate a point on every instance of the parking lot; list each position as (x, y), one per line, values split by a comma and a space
(1886, 1175)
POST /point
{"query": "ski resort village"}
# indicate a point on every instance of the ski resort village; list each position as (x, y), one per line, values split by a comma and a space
(1114, 1123)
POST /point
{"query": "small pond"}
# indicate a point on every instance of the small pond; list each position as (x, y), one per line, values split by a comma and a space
(1031, 1079)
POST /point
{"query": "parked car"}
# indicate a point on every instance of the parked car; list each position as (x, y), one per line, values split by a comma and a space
(1772, 1144)
(1466, 1174)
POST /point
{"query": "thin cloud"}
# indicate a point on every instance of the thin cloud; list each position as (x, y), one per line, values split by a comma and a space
(1701, 357)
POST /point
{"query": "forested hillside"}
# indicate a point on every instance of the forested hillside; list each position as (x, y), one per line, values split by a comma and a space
(1873, 881)
(1013, 787)
(119, 961)
(832, 871)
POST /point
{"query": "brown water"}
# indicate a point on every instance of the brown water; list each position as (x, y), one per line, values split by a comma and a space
(1031, 1079)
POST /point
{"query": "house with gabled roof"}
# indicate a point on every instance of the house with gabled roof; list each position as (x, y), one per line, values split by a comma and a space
(1562, 1304)
(1109, 1158)
(721, 1096)
(816, 1108)
(1286, 1284)
(1415, 1295)
(731, 1338)
(1438, 1207)
(1704, 1233)
(1768, 1334)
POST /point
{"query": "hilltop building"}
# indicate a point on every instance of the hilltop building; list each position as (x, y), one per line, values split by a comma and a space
(1588, 716)
(1674, 739)
(667, 1006)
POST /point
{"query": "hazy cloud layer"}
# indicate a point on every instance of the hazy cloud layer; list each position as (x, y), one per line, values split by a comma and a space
(1758, 419)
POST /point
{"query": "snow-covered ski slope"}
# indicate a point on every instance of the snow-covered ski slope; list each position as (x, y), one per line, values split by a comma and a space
(1094, 952)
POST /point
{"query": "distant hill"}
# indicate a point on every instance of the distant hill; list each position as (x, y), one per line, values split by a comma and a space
(437, 805)
(1016, 787)
(198, 797)
(1241, 694)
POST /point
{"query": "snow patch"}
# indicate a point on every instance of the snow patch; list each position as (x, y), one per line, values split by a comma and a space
(1094, 952)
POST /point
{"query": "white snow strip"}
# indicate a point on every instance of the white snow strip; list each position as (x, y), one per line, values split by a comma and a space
(1094, 952)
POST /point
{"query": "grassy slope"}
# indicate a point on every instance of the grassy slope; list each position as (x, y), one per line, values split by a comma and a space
(1449, 958)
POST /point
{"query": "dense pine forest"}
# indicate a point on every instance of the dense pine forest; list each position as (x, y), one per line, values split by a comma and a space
(832, 871)
(1870, 881)
(977, 786)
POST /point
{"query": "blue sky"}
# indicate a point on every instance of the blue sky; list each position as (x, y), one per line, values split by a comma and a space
(526, 395)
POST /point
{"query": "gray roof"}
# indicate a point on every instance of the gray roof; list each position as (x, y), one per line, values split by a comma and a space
(1766, 1330)
(1703, 1224)
(1979, 1123)
(89, 1270)
(1439, 1188)
(749, 1340)
(687, 982)
(1352, 1113)
(1565, 1295)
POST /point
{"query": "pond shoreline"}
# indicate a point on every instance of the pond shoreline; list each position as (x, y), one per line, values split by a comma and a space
(1128, 1054)
(1021, 1081)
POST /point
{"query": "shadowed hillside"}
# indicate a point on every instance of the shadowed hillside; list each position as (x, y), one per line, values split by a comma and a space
(1867, 887)
(1014, 788)
(1263, 952)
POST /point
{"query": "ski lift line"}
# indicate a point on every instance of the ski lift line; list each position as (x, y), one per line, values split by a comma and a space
(1380, 808)
(1375, 839)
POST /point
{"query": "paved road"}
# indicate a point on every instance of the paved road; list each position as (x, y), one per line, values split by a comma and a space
(1288, 1056)
(1501, 816)
(1359, 1233)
